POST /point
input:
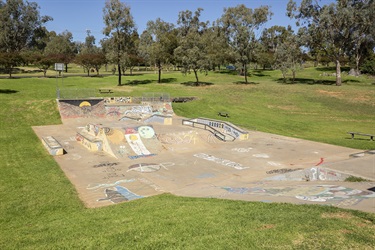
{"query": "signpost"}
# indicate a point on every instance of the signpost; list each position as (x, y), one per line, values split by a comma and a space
(59, 67)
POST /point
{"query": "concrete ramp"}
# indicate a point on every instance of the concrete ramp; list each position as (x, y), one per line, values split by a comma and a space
(125, 142)
(162, 119)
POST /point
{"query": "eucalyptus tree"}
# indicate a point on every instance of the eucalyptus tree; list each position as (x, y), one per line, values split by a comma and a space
(362, 31)
(268, 44)
(337, 28)
(62, 47)
(288, 54)
(132, 57)
(240, 24)
(119, 26)
(20, 25)
(218, 50)
(158, 43)
(191, 53)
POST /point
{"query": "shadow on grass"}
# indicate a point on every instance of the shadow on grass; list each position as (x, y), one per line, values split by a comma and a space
(246, 83)
(197, 84)
(259, 73)
(306, 81)
(132, 74)
(332, 69)
(138, 82)
(8, 91)
(227, 72)
(351, 80)
(168, 80)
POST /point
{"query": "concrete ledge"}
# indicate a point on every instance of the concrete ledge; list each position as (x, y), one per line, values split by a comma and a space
(52, 145)
(89, 141)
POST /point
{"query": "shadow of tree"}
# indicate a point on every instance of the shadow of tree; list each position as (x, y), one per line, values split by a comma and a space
(332, 69)
(306, 81)
(227, 72)
(351, 80)
(197, 84)
(259, 73)
(138, 82)
(168, 80)
(246, 83)
(8, 91)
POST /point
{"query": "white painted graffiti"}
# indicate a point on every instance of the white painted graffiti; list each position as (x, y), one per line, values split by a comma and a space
(221, 161)
(149, 167)
(178, 138)
(232, 131)
(242, 150)
(99, 185)
(139, 110)
(261, 156)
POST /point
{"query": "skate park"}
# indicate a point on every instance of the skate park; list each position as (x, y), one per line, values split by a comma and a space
(118, 149)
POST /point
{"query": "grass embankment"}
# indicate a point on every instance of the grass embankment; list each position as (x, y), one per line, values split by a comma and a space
(40, 209)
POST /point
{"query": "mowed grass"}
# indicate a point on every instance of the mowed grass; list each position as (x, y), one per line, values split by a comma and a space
(40, 208)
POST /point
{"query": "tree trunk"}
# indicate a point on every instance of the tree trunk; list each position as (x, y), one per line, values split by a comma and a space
(294, 76)
(245, 72)
(158, 65)
(338, 73)
(196, 76)
(357, 59)
(119, 74)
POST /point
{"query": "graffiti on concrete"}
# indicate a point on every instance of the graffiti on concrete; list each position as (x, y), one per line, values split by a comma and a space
(119, 194)
(272, 163)
(106, 164)
(179, 138)
(242, 150)
(137, 110)
(150, 167)
(309, 174)
(265, 156)
(221, 161)
(81, 108)
(335, 195)
(282, 170)
(146, 132)
(106, 185)
(133, 157)
(114, 100)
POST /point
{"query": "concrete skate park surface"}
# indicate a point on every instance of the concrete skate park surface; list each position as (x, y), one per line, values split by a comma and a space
(190, 161)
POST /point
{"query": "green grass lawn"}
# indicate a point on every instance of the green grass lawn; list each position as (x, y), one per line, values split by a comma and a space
(40, 209)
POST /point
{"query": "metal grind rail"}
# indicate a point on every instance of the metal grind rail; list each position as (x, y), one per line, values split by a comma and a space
(215, 132)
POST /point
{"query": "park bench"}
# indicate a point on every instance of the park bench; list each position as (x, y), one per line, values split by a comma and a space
(224, 114)
(102, 91)
(361, 134)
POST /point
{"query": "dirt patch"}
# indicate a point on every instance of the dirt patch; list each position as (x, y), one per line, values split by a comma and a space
(330, 93)
(339, 215)
(285, 108)
(266, 226)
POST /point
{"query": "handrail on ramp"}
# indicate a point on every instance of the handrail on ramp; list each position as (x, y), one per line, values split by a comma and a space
(215, 132)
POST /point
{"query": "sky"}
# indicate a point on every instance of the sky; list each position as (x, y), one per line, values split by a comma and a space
(78, 16)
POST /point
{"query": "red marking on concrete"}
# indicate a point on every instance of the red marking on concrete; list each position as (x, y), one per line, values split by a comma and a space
(321, 161)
